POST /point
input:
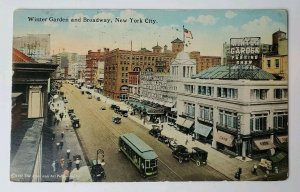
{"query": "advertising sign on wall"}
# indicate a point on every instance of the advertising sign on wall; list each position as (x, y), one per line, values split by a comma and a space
(245, 50)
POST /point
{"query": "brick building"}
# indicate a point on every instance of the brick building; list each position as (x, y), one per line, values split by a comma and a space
(92, 59)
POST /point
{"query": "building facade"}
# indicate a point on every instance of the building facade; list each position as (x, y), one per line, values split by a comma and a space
(276, 62)
(36, 46)
(92, 59)
(244, 117)
(133, 84)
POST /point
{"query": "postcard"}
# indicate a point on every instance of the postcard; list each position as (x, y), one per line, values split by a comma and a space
(139, 95)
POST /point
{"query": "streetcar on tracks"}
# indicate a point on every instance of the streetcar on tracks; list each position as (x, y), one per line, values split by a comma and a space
(139, 153)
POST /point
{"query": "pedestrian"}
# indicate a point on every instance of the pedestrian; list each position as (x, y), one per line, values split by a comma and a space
(62, 163)
(77, 162)
(186, 141)
(54, 166)
(61, 116)
(254, 171)
(68, 153)
(53, 136)
(69, 164)
(61, 144)
(62, 134)
(57, 145)
(162, 126)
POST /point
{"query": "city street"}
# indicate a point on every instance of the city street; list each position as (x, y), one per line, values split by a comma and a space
(97, 131)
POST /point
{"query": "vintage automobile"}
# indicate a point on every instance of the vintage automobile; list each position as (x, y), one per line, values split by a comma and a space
(116, 119)
(70, 110)
(75, 122)
(72, 116)
(163, 139)
(172, 144)
(155, 132)
(199, 156)
(97, 171)
(181, 153)
(113, 106)
(124, 113)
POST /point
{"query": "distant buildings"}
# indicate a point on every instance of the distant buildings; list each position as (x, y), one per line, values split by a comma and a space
(36, 46)
(92, 60)
(276, 62)
(119, 64)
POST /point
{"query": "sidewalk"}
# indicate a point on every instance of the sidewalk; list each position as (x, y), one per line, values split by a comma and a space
(53, 152)
(225, 164)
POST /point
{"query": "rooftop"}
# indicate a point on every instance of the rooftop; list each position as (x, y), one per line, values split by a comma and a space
(177, 41)
(19, 57)
(234, 72)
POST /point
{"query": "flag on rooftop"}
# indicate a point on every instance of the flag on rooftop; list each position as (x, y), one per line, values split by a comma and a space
(187, 33)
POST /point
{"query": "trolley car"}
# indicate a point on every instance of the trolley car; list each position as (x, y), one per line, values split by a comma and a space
(139, 153)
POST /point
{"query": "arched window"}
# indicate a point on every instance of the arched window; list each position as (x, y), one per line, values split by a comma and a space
(137, 69)
(149, 69)
(124, 88)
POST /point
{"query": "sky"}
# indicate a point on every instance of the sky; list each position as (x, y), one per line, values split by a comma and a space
(210, 28)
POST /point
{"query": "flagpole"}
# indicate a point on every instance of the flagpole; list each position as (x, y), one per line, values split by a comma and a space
(183, 38)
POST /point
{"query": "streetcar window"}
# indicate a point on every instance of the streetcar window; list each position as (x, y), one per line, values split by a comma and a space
(153, 163)
(147, 164)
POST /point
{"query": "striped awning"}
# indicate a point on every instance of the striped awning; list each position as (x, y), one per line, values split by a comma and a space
(180, 121)
(188, 123)
(202, 129)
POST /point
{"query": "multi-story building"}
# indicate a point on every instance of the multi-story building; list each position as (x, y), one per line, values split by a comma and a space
(276, 62)
(133, 85)
(36, 46)
(92, 59)
(241, 116)
(118, 63)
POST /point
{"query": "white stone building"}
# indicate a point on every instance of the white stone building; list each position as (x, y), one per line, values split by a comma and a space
(242, 112)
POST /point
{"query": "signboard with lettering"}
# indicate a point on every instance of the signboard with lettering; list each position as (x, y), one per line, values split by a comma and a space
(245, 51)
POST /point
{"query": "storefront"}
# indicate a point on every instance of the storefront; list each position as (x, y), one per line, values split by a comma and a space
(225, 142)
(203, 132)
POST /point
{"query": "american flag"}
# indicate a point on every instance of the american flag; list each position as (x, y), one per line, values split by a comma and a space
(187, 33)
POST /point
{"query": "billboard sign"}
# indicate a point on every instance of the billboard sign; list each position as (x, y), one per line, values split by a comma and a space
(245, 50)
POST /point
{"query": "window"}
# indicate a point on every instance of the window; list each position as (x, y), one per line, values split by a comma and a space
(189, 109)
(228, 119)
(277, 63)
(206, 113)
(269, 63)
(258, 122)
(229, 93)
(280, 93)
(280, 120)
(206, 90)
(183, 71)
(259, 94)
(189, 88)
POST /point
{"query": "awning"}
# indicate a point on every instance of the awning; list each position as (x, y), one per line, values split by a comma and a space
(203, 130)
(264, 144)
(278, 157)
(180, 121)
(188, 124)
(225, 138)
(283, 139)
(169, 104)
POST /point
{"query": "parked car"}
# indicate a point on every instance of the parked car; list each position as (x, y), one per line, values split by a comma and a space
(172, 144)
(97, 171)
(70, 110)
(116, 119)
(199, 156)
(113, 106)
(155, 132)
(72, 116)
(75, 122)
(163, 139)
(181, 153)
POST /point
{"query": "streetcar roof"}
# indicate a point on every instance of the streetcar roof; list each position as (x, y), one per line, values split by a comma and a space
(139, 146)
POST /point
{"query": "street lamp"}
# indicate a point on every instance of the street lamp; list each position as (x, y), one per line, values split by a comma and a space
(101, 152)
